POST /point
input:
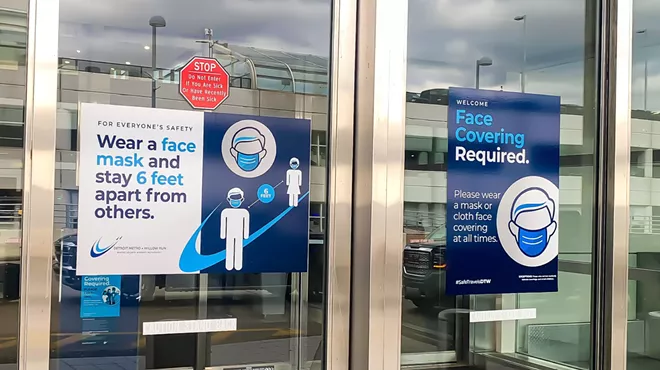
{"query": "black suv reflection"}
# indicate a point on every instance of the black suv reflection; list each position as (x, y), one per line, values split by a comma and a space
(424, 271)
(64, 260)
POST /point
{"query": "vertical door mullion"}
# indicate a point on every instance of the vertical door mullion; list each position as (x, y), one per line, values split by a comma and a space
(377, 239)
(339, 196)
(39, 185)
(613, 222)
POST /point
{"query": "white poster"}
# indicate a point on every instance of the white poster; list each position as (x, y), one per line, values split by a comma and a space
(178, 192)
(140, 182)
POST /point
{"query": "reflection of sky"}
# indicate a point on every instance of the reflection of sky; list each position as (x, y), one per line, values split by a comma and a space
(445, 38)
(646, 47)
(118, 30)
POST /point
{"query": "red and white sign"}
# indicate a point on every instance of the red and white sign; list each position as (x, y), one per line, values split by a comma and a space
(204, 83)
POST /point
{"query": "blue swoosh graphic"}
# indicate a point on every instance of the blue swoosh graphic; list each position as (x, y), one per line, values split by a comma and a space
(97, 251)
(193, 261)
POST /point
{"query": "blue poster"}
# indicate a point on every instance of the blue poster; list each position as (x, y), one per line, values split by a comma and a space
(94, 324)
(100, 296)
(255, 193)
(502, 192)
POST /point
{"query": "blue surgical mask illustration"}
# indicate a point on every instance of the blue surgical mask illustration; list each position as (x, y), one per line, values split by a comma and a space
(533, 221)
(248, 148)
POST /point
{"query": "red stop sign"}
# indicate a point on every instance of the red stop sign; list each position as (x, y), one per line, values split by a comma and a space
(204, 83)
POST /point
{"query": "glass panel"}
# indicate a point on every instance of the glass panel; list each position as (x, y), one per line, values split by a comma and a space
(13, 41)
(644, 248)
(105, 57)
(530, 46)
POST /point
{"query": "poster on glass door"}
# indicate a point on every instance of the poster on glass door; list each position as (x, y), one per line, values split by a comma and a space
(502, 192)
(179, 192)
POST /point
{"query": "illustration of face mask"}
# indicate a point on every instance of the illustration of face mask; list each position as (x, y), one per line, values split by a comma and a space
(235, 203)
(532, 221)
(532, 242)
(248, 148)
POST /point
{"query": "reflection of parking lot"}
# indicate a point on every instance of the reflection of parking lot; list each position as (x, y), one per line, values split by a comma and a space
(255, 334)
(9, 312)
(268, 337)
(423, 331)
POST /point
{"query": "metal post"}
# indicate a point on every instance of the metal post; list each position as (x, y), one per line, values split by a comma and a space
(155, 22)
(646, 64)
(153, 67)
(524, 62)
(646, 70)
(523, 18)
(485, 62)
(211, 43)
(476, 76)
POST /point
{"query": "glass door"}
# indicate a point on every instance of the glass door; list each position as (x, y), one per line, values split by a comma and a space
(642, 348)
(13, 46)
(532, 47)
(128, 54)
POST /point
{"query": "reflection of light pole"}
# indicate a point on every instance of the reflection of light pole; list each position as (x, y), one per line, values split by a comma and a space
(208, 32)
(155, 22)
(484, 61)
(646, 65)
(523, 18)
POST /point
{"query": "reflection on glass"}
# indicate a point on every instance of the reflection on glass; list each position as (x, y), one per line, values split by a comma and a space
(644, 258)
(107, 55)
(13, 40)
(532, 47)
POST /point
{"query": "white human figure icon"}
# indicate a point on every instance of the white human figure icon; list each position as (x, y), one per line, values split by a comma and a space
(293, 182)
(235, 228)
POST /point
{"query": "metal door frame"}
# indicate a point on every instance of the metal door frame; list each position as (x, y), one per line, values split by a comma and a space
(378, 238)
(378, 178)
(39, 184)
(612, 231)
(39, 187)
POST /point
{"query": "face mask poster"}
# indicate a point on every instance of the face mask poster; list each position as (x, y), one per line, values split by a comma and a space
(179, 192)
(502, 192)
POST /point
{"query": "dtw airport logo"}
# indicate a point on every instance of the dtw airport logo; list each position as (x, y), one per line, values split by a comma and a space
(98, 251)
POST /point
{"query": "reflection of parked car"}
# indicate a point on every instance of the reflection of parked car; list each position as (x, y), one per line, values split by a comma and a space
(65, 261)
(424, 271)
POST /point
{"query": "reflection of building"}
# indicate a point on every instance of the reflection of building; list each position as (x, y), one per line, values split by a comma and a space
(249, 68)
(13, 41)
(258, 80)
(276, 74)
